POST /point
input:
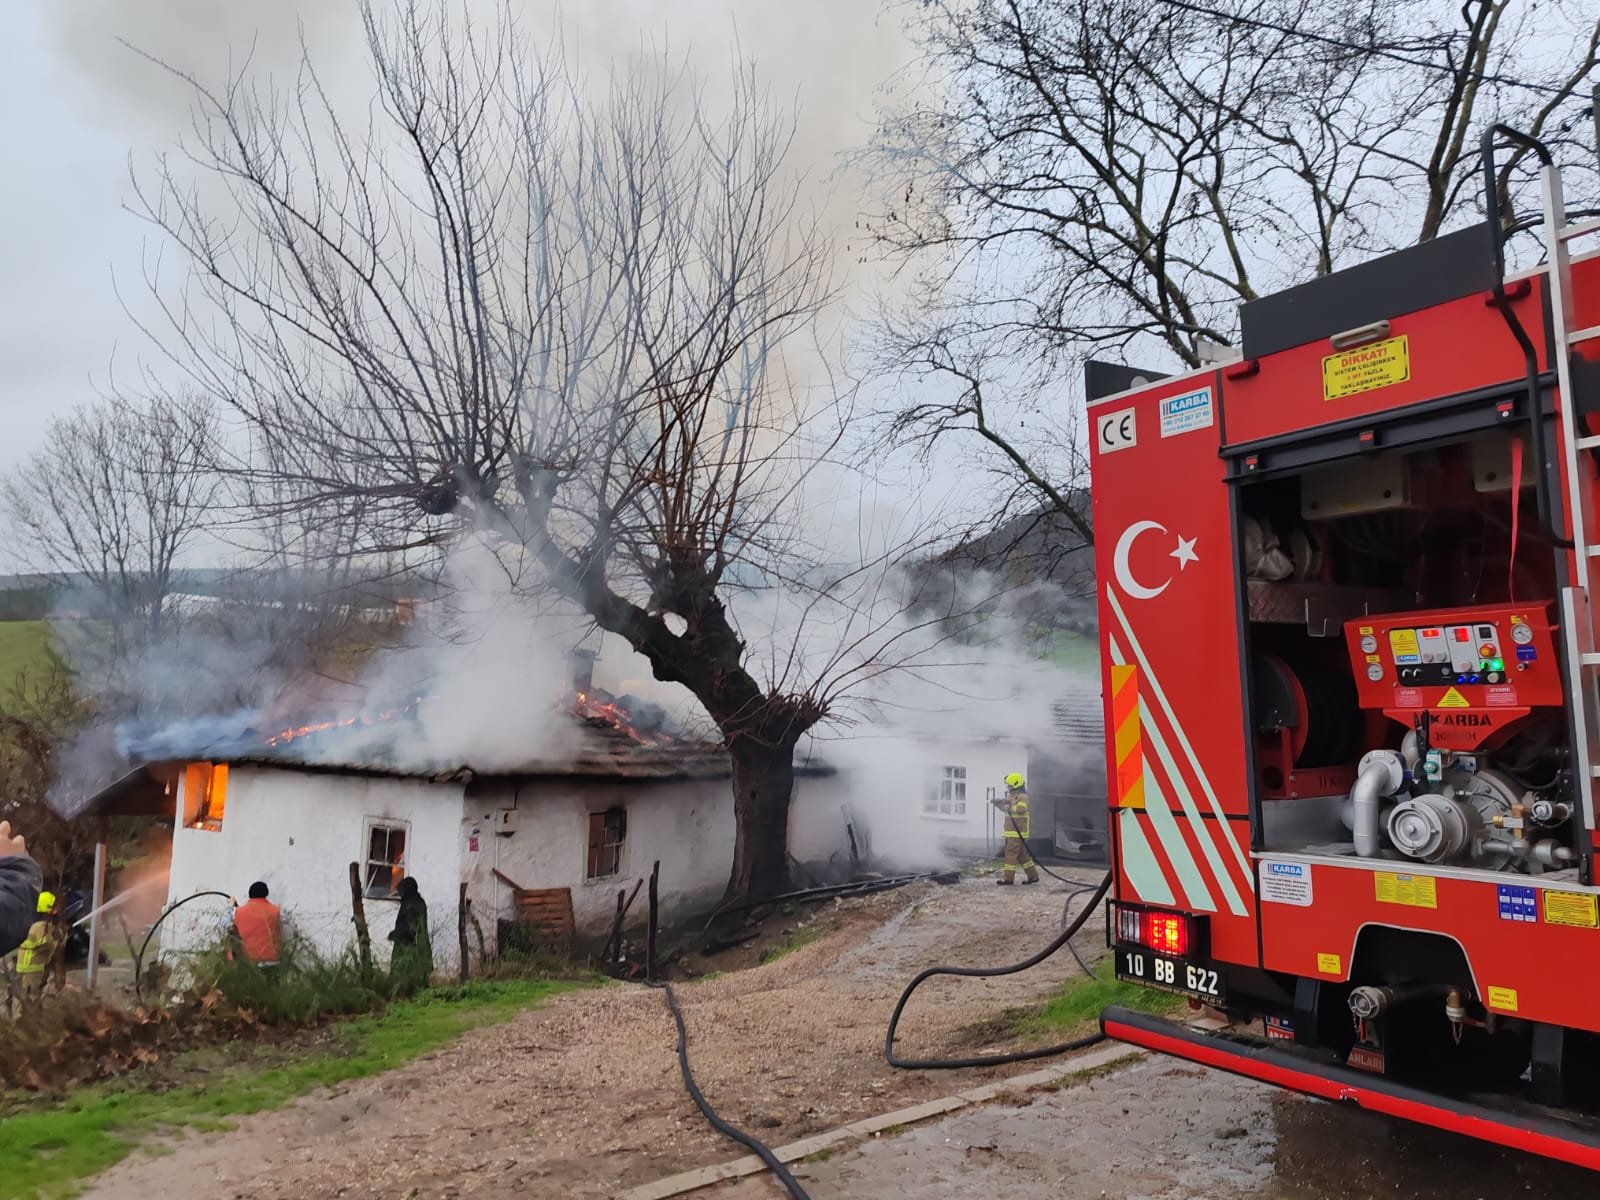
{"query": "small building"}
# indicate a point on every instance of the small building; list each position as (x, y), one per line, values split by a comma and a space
(295, 812)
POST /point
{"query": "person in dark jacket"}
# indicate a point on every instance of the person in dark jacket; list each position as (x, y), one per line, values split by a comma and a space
(20, 881)
(412, 959)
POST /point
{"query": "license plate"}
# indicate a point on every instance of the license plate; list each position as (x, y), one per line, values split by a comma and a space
(1138, 965)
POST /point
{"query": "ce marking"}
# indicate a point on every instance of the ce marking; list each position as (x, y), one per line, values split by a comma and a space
(1116, 431)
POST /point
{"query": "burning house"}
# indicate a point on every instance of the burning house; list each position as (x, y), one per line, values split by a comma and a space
(606, 796)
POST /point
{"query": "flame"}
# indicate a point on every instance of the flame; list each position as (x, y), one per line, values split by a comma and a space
(366, 718)
(617, 718)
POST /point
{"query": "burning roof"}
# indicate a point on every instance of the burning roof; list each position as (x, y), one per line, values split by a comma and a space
(597, 736)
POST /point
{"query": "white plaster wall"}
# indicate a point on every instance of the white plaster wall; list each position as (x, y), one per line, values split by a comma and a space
(298, 833)
(687, 825)
(883, 780)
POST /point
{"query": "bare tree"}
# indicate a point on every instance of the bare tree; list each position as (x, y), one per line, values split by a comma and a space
(1112, 178)
(559, 315)
(107, 508)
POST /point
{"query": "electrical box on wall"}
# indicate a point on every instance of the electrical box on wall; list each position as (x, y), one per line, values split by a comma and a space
(505, 822)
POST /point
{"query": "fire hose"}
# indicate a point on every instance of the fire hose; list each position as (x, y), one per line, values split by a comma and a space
(750, 1142)
(995, 1060)
(138, 959)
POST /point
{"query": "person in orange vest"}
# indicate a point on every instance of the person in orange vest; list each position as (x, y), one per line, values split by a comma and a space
(259, 925)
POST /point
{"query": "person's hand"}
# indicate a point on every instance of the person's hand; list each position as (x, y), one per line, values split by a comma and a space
(11, 844)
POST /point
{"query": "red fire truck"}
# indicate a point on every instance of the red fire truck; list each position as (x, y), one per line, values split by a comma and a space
(1350, 674)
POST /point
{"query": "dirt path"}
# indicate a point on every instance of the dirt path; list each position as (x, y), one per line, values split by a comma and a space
(582, 1097)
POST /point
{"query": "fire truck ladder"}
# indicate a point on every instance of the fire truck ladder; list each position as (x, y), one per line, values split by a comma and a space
(1581, 657)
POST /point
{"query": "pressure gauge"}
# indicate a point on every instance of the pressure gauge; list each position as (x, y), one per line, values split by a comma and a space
(1369, 644)
(1522, 634)
(1375, 671)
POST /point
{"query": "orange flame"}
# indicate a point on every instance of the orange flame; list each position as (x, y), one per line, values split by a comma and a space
(389, 714)
(618, 718)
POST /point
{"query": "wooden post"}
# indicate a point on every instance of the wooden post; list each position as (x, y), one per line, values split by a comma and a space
(461, 930)
(99, 899)
(655, 913)
(613, 943)
(359, 909)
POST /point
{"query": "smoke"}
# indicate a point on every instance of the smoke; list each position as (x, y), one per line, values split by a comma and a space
(828, 58)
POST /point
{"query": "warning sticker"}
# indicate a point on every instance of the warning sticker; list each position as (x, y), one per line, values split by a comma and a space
(1403, 645)
(1286, 883)
(1407, 698)
(1501, 697)
(1365, 368)
(1414, 891)
(1518, 903)
(1504, 999)
(1453, 699)
(1577, 909)
(1328, 964)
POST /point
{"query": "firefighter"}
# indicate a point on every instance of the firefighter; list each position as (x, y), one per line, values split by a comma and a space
(37, 949)
(1014, 804)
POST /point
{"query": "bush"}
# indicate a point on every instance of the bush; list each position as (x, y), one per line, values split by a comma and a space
(304, 988)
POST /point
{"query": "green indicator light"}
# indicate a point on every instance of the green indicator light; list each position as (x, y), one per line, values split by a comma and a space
(1497, 664)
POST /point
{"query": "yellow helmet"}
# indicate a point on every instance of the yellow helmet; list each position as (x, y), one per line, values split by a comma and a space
(1013, 781)
(47, 902)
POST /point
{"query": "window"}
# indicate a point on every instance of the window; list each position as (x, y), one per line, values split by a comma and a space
(386, 857)
(606, 831)
(205, 795)
(947, 793)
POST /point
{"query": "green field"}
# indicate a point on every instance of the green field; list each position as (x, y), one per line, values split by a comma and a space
(25, 656)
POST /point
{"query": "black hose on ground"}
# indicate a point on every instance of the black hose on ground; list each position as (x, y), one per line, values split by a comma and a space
(994, 1060)
(759, 1148)
(138, 959)
(1034, 859)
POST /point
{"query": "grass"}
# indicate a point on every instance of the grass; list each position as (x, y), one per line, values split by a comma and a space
(49, 1147)
(820, 1156)
(1080, 1001)
(794, 940)
(25, 653)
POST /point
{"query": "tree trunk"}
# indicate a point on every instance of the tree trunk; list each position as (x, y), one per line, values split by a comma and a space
(763, 784)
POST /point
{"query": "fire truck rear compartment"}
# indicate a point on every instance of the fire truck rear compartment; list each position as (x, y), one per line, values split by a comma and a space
(1343, 566)
(1404, 692)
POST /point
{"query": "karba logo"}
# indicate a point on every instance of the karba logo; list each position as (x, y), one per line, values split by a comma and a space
(1464, 720)
(1183, 404)
(1294, 869)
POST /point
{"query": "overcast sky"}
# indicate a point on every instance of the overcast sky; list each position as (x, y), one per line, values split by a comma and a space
(76, 104)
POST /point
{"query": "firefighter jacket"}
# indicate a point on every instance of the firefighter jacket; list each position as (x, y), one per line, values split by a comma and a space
(20, 881)
(1015, 807)
(33, 956)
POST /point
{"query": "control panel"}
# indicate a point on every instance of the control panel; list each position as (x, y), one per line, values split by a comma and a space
(1492, 657)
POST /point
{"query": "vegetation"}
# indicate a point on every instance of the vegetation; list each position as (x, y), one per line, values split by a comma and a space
(1080, 1001)
(304, 988)
(50, 1145)
(794, 940)
(24, 654)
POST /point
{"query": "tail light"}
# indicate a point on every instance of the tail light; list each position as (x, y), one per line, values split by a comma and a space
(1179, 934)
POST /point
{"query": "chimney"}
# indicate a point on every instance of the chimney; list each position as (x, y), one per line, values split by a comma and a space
(580, 670)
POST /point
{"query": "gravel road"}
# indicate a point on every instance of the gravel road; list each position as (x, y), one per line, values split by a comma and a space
(582, 1097)
(1165, 1130)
